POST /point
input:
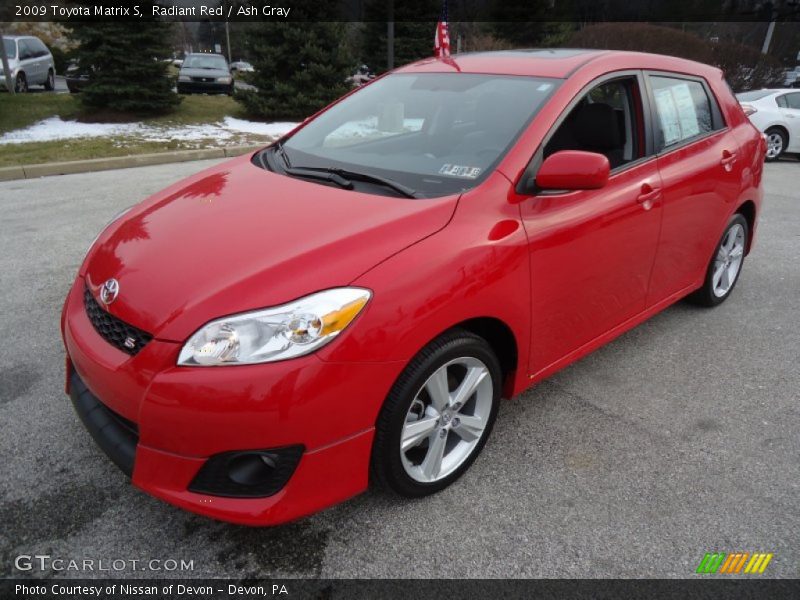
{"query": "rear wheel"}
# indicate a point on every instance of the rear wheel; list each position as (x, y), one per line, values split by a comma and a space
(726, 264)
(777, 140)
(50, 82)
(21, 84)
(437, 416)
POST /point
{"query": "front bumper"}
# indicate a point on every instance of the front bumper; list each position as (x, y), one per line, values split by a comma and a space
(183, 416)
(201, 87)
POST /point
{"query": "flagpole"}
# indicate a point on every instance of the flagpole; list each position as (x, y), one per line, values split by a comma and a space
(390, 37)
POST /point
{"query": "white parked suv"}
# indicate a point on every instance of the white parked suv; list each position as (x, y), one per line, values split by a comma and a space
(30, 63)
(777, 114)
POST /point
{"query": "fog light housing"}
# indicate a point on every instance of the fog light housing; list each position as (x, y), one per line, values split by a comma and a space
(247, 473)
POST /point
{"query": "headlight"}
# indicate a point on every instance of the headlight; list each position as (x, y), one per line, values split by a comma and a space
(97, 237)
(184, 78)
(272, 334)
(223, 79)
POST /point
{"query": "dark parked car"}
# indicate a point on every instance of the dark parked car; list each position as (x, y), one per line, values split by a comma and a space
(205, 74)
(76, 80)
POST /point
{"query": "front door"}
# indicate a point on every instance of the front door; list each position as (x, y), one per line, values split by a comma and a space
(591, 251)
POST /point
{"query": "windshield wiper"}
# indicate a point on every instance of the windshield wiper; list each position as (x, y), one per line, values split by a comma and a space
(369, 178)
(320, 174)
(279, 149)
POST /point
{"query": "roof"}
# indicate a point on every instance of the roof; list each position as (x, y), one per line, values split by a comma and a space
(555, 62)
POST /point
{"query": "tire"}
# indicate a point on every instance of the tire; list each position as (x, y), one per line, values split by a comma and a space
(777, 140)
(50, 82)
(730, 259)
(21, 84)
(459, 429)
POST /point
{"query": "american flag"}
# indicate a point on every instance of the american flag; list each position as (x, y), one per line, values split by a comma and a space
(441, 41)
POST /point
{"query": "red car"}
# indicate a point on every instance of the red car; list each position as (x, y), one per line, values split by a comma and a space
(348, 305)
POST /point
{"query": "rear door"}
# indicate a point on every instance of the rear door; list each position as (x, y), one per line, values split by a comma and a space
(789, 107)
(700, 173)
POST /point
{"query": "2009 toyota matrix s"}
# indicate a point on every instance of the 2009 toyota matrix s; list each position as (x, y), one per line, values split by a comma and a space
(348, 305)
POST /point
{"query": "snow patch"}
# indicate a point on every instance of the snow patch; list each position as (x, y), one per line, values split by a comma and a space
(55, 128)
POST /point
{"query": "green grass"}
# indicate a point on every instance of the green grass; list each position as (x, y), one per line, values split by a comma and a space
(22, 110)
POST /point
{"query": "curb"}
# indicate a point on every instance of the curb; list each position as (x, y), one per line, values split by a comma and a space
(120, 162)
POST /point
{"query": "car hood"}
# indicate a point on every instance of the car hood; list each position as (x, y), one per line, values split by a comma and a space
(236, 238)
(204, 72)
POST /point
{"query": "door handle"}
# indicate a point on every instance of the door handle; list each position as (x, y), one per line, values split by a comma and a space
(648, 196)
(728, 158)
(791, 116)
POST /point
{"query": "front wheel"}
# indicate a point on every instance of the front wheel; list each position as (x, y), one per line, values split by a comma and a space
(438, 415)
(726, 264)
(21, 84)
(50, 82)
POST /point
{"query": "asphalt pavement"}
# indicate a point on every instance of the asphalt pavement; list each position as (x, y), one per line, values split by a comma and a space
(681, 437)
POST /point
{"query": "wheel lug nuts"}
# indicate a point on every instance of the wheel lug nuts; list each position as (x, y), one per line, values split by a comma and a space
(442, 433)
(456, 422)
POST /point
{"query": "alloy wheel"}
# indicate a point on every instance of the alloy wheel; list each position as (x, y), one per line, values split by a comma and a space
(446, 419)
(728, 261)
(774, 145)
(21, 85)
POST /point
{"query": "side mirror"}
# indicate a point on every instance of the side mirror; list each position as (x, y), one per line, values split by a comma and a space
(573, 170)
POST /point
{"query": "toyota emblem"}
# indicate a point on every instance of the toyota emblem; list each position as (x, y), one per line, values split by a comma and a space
(109, 291)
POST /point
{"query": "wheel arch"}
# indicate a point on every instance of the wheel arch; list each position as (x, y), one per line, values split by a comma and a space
(748, 210)
(780, 126)
(503, 342)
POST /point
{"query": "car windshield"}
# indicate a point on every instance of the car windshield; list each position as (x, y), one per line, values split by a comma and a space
(753, 96)
(11, 48)
(436, 133)
(205, 62)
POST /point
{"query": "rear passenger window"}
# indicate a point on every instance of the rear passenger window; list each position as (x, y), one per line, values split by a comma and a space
(781, 101)
(793, 100)
(683, 109)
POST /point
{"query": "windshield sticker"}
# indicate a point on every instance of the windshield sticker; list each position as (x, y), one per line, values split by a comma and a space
(460, 171)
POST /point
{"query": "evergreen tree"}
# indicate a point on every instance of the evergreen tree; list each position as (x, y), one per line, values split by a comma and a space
(414, 28)
(300, 67)
(126, 66)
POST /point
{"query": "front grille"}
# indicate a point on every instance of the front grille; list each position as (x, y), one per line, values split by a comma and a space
(116, 332)
(203, 79)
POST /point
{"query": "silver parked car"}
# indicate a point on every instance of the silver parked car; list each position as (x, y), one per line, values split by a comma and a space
(30, 63)
(205, 74)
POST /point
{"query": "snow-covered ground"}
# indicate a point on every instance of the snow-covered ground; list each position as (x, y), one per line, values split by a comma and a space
(227, 130)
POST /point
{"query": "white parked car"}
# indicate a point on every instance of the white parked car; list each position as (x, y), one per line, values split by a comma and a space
(30, 63)
(242, 66)
(777, 114)
(792, 78)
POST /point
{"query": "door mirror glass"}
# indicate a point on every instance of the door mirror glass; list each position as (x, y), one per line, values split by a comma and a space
(573, 170)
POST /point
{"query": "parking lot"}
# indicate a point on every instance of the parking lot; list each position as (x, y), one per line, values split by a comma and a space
(681, 437)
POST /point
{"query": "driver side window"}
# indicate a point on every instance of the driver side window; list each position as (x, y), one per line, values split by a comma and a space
(606, 120)
(24, 50)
